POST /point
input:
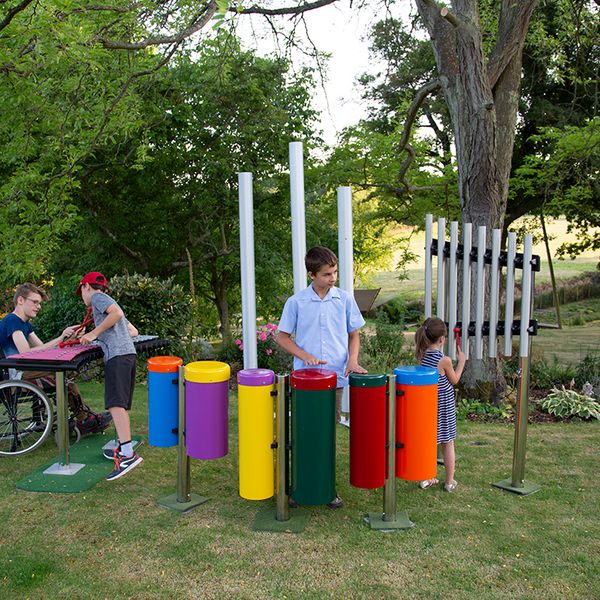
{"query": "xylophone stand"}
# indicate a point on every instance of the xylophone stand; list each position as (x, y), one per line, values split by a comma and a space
(183, 500)
(390, 520)
(63, 466)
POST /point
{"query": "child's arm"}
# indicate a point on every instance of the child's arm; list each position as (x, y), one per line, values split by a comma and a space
(133, 332)
(113, 314)
(446, 365)
(353, 348)
(287, 343)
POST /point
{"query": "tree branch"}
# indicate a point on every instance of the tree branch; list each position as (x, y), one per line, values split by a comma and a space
(512, 29)
(289, 10)
(12, 12)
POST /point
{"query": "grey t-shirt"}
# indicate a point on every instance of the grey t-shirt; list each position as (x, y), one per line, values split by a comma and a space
(115, 341)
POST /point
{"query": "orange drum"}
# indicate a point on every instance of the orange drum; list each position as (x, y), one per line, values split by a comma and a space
(416, 422)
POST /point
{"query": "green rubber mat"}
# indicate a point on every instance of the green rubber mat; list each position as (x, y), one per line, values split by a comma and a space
(87, 451)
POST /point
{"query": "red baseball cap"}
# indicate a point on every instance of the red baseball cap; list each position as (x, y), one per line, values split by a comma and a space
(92, 277)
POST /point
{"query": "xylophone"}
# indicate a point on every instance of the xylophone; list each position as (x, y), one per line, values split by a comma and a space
(57, 361)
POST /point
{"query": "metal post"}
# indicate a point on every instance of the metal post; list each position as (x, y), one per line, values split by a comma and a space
(247, 269)
(494, 293)
(517, 483)
(480, 292)
(452, 289)
(466, 287)
(182, 500)
(389, 490)
(283, 511)
(428, 269)
(298, 218)
(183, 460)
(390, 520)
(63, 466)
(440, 310)
(510, 292)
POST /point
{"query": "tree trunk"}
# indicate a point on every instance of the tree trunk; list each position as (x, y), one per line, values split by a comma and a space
(482, 98)
(219, 288)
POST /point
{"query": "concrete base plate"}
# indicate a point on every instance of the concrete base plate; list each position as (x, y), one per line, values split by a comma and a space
(526, 489)
(171, 502)
(265, 521)
(58, 469)
(375, 521)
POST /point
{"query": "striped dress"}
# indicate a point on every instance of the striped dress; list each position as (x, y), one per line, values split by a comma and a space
(446, 430)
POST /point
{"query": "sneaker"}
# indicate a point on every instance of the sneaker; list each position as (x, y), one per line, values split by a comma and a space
(110, 452)
(94, 423)
(451, 486)
(123, 464)
(337, 502)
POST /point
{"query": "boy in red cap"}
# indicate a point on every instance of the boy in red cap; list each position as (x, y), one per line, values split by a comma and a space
(113, 333)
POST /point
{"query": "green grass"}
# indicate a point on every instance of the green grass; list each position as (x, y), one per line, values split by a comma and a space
(113, 541)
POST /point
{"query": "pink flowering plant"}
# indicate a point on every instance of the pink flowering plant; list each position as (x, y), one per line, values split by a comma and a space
(269, 353)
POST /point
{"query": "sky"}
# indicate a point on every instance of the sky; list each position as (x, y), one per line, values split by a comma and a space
(342, 32)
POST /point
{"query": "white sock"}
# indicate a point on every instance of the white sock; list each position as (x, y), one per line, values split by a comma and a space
(127, 448)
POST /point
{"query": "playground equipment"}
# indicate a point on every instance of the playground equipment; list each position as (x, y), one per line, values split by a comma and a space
(394, 421)
(488, 265)
(202, 407)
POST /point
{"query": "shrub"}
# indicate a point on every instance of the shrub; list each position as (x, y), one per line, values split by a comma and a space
(588, 371)
(480, 408)
(570, 403)
(398, 311)
(382, 351)
(269, 354)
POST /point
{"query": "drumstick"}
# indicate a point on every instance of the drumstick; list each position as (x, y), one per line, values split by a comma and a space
(457, 335)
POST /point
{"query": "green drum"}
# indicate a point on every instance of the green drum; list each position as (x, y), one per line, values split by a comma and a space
(313, 436)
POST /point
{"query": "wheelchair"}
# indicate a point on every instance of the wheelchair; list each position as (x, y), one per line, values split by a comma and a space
(27, 417)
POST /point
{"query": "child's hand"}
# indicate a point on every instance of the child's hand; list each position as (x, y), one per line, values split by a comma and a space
(313, 361)
(88, 338)
(68, 332)
(461, 356)
(354, 367)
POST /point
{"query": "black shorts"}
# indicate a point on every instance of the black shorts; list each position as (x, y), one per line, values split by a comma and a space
(119, 379)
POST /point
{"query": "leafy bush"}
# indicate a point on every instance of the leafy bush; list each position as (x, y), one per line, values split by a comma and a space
(588, 371)
(543, 375)
(63, 308)
(155, 306)
(480, 408)
(269, 354)
(398, 311)
(570, 403)
(384, 350)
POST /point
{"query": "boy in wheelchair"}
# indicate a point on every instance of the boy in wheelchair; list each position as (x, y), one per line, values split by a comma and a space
(17, 336)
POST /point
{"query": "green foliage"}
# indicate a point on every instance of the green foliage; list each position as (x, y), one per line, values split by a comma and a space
(155, 306)
(384, 349)
(475, 408)
(63, 308)
(543, 375)
(587, 371)
(399, 311)
(570, 403)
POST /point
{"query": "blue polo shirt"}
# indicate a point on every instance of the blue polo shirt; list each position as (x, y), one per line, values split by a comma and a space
(321, 327)
(8, 325)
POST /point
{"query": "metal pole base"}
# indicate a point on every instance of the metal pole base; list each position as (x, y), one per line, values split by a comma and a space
(265, 520)
(172, 503)
(58, 469)
(375, 521)
(526, 489)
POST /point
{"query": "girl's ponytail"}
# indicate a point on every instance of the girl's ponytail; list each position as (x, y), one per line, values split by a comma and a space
(429, 333)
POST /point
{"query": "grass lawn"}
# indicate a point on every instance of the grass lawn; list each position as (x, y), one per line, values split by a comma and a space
(113, 541)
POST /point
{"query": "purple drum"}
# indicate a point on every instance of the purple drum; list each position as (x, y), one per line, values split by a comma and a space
(206, 409)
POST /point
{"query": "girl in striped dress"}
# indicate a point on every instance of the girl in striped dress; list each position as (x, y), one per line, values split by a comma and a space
(429, 341)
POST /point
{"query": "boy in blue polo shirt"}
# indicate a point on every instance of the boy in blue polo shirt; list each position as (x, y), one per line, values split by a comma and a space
(326, 322)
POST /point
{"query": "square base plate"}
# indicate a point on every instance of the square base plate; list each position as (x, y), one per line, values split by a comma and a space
(527, 488)
(265, 520)
(375, 521)
(58, 469)
(172, 503)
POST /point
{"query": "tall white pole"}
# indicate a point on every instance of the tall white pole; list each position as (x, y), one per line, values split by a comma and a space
(526, 297)
(466, 290)
(494, 292)
(247, 269)
(298, 219)
(441, 288)
(509, 311)
(346, 258)
(452, 288)
(480, 292)
(428, 267)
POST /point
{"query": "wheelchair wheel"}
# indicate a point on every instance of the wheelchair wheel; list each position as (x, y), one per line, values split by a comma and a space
(25, 417)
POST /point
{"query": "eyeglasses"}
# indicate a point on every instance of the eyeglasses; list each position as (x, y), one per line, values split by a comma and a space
(34, 302)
